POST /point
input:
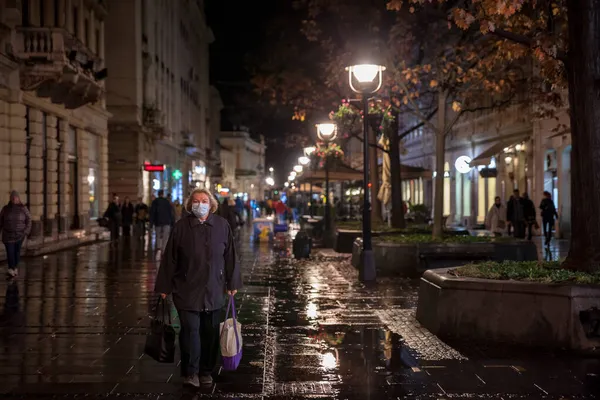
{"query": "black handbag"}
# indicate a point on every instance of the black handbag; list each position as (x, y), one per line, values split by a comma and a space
(160, 343)
(103, 222)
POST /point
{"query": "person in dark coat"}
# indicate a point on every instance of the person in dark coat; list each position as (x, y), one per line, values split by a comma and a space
(529, 214)
(15, 226)
(127, 211)
(228, 212)
(514, 214)
(141, 216)
(199, 268)
(548, 216)
(162, 217)
(115, 218)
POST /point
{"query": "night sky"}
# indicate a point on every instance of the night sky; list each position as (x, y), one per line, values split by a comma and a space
(241, 28)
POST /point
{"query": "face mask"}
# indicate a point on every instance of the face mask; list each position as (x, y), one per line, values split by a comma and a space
(200, 210)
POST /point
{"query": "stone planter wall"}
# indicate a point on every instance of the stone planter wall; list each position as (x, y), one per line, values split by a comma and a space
(404, 259)
(523, 313)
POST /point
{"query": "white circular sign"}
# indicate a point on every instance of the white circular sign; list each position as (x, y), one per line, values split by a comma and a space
(462, 164)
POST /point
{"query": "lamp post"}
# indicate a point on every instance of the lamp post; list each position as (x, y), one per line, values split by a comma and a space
(366, 79)
(327, 133)
(307, 152)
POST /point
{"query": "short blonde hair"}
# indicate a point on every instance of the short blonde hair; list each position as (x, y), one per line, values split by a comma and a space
(214, 205)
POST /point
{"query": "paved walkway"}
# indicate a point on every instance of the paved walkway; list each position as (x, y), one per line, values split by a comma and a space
(310, 331)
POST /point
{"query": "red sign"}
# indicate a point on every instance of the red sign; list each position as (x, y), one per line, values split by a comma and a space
(154, 167)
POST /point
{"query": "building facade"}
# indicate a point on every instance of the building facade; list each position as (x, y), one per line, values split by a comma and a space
(243, 163)
(53, 119)
(159, 98)
(490, 154)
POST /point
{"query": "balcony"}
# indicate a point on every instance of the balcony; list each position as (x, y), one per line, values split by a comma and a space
(58, 66)
(154, 122)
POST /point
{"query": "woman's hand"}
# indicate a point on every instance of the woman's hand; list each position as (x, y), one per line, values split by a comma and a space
(231, 292)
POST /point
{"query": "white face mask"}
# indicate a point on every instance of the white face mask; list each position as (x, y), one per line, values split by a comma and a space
(200, 210)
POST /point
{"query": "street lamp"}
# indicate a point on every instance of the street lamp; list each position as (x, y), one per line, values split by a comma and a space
(286, 184)
(270, 181)
(298, 168)
(327, 132)
(366, 79)
(303, 160)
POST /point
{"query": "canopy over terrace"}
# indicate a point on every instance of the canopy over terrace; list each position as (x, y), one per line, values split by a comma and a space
(337, 172)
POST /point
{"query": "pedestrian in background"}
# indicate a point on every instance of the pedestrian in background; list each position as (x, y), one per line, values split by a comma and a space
(127, 212)
(141, 216)
(115, 218)
(495, 220)
(162, 217)
(177, 209)
(15, 226)
(515, 215)
(548, 216)
(199, 267)
(529, 215)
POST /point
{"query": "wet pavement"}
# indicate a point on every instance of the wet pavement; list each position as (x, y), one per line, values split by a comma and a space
(74, 325)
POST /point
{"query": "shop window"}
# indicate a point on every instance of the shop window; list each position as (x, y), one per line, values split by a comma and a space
(93, 171)
(481, 210)
(466, 196)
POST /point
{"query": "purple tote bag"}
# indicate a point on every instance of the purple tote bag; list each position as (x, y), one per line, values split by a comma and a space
(231, 339)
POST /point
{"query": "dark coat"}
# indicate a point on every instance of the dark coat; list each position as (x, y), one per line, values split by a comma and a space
(127, 213)
(161, 212)
(15, 222)
(228, 213)
(548, 210)
(528, 209)
(113, 213)
(199, 264)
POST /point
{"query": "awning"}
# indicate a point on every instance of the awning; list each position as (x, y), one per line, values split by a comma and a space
(337, 172)
(408, 172)
(486, 156)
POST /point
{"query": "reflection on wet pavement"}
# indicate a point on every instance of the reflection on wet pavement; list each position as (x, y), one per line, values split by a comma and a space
(74, 324)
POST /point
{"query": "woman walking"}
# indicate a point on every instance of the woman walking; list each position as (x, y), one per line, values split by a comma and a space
(15, 225)
(127, 211)
(199, 268)
(495, 221)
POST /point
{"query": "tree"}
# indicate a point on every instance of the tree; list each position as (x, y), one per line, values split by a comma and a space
(559, 36)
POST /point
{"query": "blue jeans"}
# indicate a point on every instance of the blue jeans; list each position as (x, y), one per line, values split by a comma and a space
(13, 253)
(198, 341)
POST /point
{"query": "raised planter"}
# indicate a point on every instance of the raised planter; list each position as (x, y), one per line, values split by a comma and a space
(523, 313)
(344, 238)
(411, 259)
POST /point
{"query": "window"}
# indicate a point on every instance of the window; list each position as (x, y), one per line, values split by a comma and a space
(57, 13)
(25, 13)
(98, 49)
(42, 13)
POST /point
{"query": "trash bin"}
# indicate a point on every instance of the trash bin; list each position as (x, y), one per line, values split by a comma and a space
(302, 245)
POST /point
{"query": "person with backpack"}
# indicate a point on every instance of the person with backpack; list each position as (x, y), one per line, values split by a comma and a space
(15, 225)
(162, 217)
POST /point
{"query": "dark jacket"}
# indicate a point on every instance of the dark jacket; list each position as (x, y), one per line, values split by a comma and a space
(15, 222)
(548, 210)
(141, 212)
(514, 210)
(113, 213)
(227, 212)
(127, 212)
(161, 212)
(199, 264)
(528, 209)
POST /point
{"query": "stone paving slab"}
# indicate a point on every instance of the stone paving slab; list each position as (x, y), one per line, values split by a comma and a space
(311, 331)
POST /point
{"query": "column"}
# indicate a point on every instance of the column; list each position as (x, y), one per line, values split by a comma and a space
(64, 175)
(91, 33)
(100, 51)
(5, 150)
(539, 158)
(36, 170)
(50, 226)
(62, 14)
(103, 161)
(48, 13)
(69, 16)
(83, 169)
(79, 27)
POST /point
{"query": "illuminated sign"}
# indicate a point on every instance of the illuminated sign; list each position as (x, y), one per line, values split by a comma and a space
(154, 167)
(177, 174)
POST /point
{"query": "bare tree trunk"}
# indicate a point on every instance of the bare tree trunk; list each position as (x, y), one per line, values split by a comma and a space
(374, 178)
(396, 178)
(583, 66)
(440, 150)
